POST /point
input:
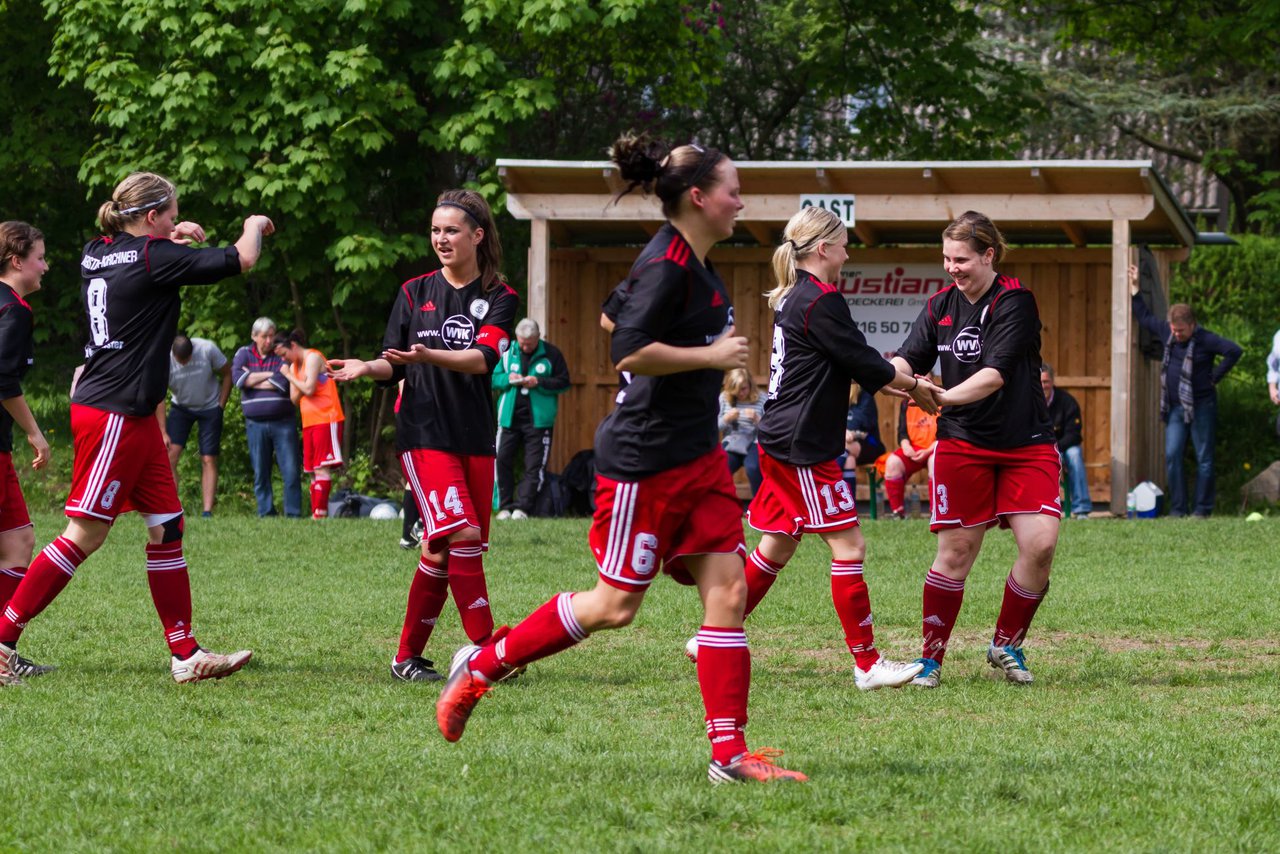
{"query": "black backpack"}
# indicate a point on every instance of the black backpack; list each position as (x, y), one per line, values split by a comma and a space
(578, 484)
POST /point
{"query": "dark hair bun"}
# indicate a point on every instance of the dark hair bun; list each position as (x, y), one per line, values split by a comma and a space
(639, 158)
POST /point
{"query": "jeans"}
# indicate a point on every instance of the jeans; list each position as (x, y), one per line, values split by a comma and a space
(751, 460)
(1078, 480)
(1202, 430)
(281, 437)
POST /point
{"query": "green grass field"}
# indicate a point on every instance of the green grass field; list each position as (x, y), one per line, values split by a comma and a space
(1154, 724)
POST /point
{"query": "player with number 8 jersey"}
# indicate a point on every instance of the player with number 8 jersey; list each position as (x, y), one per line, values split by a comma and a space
(132, 275)
(446, 332)
(817, 351)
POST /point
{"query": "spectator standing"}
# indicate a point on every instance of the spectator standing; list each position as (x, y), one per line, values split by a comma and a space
(1195, 361)
(269, 420)
(1064, 412)
(199, 383)
(741, 407)
(530, 378)
(322, 416)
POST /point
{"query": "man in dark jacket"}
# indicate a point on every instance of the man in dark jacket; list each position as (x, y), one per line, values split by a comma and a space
(1064, 412)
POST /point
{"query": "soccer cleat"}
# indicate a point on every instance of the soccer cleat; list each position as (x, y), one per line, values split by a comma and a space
(691, 649)
(25, 668)
(518, 515)
(755, 767)
(8, 678)
(208, 665)
(462, 691)
(503, 515)
(1011, 661)
(886, 674)
(930, 674)
(415, 668)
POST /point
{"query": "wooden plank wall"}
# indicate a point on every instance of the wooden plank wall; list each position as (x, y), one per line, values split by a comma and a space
(1071, 288)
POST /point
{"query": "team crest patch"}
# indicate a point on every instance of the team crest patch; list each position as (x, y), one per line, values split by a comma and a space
(479, 308)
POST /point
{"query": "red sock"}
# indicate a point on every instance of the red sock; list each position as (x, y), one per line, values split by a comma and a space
(1016, 611)
(724, 675)
(895, 488)
(466, 580)
(853, 607)
(171, 592)
(942, 598)
(9, 580)
(427, 592)
(550, 629)
(320, 497)
(761, 573)
(48, 574)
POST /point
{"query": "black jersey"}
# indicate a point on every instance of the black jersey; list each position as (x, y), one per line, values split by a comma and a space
(817, 351)
(1000, 331)
(16, 355)
(131, 295)
(443, 409)
(662, 422)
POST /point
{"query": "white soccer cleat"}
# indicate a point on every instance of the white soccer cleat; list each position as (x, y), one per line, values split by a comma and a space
(204, 664)
(886, 674)
(691, 649)
(8, 676)
(1010, 661)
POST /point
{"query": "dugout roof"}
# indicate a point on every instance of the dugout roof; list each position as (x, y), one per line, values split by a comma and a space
(1071, 202)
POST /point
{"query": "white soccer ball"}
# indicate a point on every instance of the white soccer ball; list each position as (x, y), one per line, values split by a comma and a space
(383, 511)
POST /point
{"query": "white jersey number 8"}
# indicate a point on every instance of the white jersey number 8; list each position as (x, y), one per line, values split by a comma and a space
(97, 300)
(775, 361)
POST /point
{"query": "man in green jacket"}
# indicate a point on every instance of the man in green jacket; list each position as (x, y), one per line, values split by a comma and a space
(530, 377)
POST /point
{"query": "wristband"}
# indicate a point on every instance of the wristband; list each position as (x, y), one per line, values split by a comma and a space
(917, 383)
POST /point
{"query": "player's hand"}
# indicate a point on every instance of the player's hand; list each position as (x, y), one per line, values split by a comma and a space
(1133, 280)
(417, 354)
(187, 232)
(41, 446)
(729, 351)
(925, 394)
(344, 370)
(263, 224)
(168, 443)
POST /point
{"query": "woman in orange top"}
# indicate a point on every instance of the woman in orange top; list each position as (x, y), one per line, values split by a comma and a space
(317, 396)
(917, 434)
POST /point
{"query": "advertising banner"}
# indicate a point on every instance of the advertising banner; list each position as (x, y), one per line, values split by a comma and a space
(885, 299)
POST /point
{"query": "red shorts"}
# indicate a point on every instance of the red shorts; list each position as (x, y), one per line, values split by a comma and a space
(13, 507)
(446, 487)
(975, 486)
(322, 446)
(640, 525)
(910, 466)
(120, 465)
(795, 500)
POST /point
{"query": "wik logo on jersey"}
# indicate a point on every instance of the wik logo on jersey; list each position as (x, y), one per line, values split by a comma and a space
(966, 346)
(458, 332)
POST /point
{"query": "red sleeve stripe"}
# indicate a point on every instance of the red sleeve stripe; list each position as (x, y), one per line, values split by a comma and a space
(928, 306)
(678, 251)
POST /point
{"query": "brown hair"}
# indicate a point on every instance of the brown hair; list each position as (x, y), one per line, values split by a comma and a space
(133, 197)
(489, 252)
(805, 230)
(655, 167)
(979, 232)
(1180, 312)
(17, 239)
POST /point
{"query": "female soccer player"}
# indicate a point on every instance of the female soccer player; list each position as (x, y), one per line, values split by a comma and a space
(311, 388)
(22, 265)
(446, 332)
(664, 497)
(995, 460)
(131, 279)
(817, 351)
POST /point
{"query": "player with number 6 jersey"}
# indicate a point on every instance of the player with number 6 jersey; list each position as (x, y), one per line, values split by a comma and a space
(132, 275)
(664, 498)
(817, 351)
(446, 332)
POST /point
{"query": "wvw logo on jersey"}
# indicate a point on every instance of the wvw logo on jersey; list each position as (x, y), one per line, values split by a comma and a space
(458, 332)
(966, 346)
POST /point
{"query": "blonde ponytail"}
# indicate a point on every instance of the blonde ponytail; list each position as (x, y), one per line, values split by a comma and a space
(133, 197)
(806, 229)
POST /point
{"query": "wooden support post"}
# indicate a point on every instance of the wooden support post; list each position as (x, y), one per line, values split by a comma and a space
(1121, 365)
(539, 261)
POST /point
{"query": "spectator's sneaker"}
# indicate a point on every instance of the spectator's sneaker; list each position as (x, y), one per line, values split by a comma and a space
(518, 515)
(8, 678)
(755, 767)
(204, 664)
(1011, 661)
(930, 674)
(25, 668)
(691, 649)
(462, 691)
(886, 674)
(415, 668)
(503, 515)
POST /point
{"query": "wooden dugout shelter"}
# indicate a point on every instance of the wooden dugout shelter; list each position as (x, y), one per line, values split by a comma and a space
(1071, 227)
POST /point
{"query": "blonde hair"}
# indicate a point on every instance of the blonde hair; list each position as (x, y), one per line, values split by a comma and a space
(133, 197)
(800, 239)
(735, 378)
(979, 232)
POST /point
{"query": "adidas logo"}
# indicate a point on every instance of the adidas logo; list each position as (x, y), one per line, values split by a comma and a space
(479, 603)
(721, 738)
(933, 620)
(868, 622)
(946, 321)
(716, 300)
(428, 306)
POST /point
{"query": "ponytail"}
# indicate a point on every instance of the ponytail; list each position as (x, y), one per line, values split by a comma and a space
(133, 197)
(806, 229)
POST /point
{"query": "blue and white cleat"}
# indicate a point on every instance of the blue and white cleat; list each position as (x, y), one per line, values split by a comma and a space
(1011, 661)
(930, 674)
